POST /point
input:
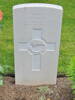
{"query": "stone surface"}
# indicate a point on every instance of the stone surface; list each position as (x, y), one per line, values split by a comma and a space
(37, 29)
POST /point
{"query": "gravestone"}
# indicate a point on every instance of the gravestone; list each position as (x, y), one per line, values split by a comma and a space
(37, 29)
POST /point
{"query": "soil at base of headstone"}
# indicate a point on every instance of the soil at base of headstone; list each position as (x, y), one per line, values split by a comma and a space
(60, 91)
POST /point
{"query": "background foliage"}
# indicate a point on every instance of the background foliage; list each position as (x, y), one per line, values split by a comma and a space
(67, 49)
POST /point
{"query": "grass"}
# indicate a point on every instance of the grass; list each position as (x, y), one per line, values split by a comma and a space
(67, 49)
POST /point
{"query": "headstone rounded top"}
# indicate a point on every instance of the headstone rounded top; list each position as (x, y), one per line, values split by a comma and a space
(38, 5)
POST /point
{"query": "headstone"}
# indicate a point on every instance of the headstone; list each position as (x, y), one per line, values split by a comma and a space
(37, 29)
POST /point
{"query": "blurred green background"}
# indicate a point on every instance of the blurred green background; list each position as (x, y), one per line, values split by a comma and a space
(67, 48)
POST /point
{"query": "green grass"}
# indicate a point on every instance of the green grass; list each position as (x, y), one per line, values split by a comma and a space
(67, 49)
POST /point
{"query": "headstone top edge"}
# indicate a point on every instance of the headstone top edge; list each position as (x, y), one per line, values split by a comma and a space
(37, 5)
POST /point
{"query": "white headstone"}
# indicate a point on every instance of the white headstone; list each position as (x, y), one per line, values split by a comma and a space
(37, 29)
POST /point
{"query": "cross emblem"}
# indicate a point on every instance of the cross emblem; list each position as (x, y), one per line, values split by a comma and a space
(37, 47)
